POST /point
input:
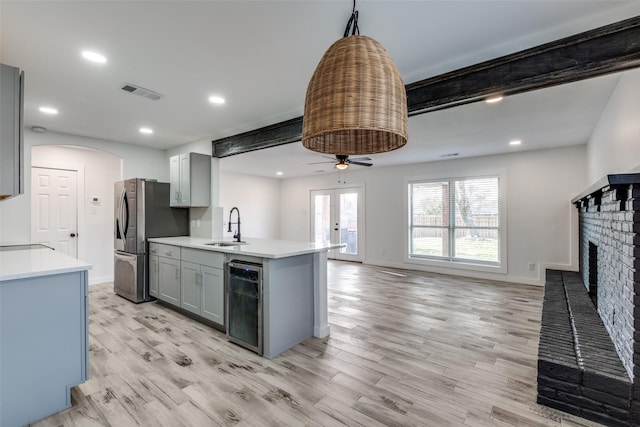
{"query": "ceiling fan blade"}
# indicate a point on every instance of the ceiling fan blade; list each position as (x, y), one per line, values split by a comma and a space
(351, 162)
(359, 159)
(317, 163)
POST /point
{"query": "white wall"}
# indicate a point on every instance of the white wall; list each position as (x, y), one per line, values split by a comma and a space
(257, 199)
(540, 217)
(614, 146)
(136, 161)
(97, 171)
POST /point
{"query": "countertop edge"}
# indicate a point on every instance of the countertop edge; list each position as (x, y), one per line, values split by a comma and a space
(51, 272)
(37, 263)
(245, 249)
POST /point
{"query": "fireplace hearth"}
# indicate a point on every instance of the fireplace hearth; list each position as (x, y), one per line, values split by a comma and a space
(589, 354)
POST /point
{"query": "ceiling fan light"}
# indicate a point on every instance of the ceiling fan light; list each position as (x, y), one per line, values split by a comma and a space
(356, 102)
(341, 166)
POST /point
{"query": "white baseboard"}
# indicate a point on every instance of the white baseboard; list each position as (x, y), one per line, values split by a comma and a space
(99, 279)
(457, 272)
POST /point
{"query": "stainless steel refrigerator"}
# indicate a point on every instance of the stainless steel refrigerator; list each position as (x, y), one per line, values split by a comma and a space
(141, 211)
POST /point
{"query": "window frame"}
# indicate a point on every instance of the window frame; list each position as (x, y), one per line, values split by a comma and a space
(453, 262)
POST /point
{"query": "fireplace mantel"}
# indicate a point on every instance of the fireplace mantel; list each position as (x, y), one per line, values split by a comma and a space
(608, 180)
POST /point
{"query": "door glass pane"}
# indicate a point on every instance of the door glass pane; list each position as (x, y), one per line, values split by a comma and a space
(322, 220)
(349, 222)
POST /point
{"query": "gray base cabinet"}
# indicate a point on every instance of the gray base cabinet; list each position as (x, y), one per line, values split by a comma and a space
(154, 275)
(202, 284)
(213, 294)
(168, 272)
(188, 278)
(43, 345)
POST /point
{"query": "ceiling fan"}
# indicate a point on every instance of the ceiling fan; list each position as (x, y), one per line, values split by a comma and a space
(343, 161)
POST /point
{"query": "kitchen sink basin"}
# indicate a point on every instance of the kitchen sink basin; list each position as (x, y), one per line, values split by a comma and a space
(225, 244)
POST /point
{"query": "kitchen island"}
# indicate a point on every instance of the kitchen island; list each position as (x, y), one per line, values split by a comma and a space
(294, 279)
(43, 331)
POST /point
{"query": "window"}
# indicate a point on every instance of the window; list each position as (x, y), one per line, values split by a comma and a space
(456, 220)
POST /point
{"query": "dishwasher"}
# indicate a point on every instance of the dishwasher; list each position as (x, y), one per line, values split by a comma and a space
(244, 304)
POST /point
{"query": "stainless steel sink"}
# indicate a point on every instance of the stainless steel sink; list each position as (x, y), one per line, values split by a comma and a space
(225, 244)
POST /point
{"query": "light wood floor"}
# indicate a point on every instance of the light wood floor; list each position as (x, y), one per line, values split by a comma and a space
(406, 349)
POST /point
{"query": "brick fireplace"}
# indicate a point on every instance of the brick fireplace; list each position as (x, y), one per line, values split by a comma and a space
(589, 354)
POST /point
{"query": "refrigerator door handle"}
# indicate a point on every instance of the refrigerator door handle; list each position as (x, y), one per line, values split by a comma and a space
(124, 220)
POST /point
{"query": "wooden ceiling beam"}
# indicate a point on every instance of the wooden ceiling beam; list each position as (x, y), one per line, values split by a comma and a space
(604, 50)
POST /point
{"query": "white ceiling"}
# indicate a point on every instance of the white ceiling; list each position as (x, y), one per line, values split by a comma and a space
(260, 55)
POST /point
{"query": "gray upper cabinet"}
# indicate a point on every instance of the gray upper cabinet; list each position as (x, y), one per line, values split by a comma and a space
(190, 179)
(11, 122)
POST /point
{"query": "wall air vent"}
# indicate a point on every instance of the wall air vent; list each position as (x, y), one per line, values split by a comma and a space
(140, 91)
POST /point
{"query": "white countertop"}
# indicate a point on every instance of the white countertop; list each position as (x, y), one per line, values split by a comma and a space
(263, 248)
(20, 264)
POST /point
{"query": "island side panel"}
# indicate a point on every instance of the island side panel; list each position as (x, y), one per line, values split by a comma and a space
(288, 300)
(321, 308)
(43, 331)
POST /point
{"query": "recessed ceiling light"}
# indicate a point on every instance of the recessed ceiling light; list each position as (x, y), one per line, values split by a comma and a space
(515, 142)
(279, 173)
(146, 130)
(216, 99)
(48, 110)
(494, 99)
(94, 57)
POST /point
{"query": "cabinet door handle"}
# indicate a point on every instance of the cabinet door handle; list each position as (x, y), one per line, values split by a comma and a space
(177, 274)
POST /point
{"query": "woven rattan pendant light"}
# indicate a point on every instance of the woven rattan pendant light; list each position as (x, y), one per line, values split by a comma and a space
(356, 102)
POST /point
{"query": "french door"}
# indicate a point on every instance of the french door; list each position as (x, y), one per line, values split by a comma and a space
(337, 216)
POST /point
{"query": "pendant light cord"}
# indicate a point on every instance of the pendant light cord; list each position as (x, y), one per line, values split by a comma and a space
(352, 24)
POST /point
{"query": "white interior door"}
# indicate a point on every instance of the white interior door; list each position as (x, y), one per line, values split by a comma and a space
(337, 216)
(54, 210)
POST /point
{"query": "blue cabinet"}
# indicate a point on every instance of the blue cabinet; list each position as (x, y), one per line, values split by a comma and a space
(43, 345)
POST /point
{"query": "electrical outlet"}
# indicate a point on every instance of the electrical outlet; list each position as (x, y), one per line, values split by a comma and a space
(532, 266)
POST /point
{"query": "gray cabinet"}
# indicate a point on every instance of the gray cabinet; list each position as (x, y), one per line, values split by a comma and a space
(154, 276)
(11, 122)
(190, 180)
(213, 294)
(168, 273)
(43, 345)
(202, 284)
(191, 287)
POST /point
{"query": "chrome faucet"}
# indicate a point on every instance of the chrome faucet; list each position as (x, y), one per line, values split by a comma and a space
(237, 235)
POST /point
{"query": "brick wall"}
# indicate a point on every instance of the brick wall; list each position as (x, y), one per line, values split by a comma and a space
(579, 371)
(607, 222)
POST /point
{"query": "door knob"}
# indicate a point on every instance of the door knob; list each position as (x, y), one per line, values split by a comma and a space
(72, 234)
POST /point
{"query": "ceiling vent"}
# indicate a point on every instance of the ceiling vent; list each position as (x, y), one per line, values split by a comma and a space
(140, 91)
